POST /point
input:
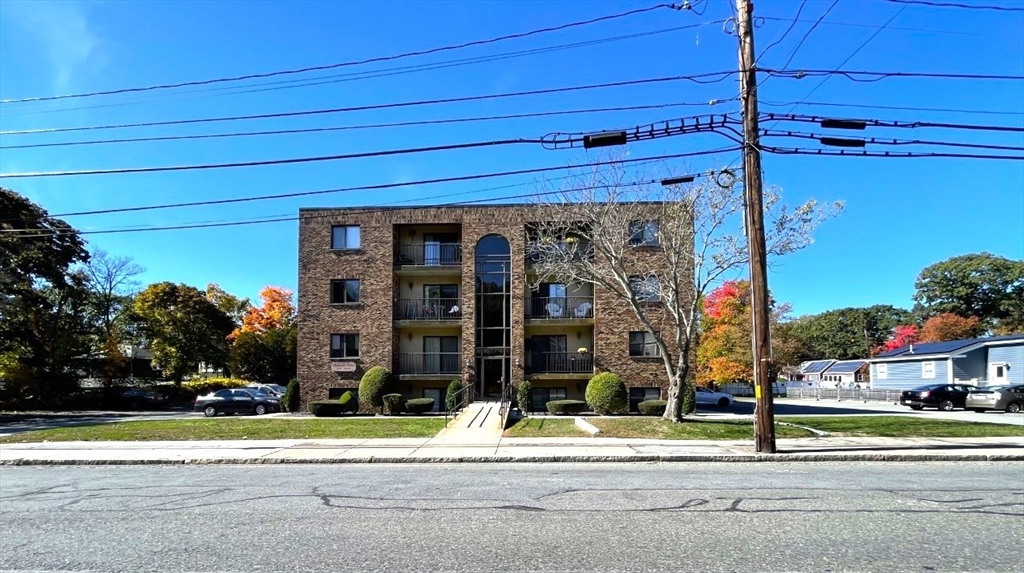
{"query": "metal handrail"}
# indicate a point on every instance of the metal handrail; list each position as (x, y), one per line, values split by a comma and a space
(555, 307)
(505, 407)
(459, 400)
(432, 254)
(558, 362)
(430, 363)
(428, 309)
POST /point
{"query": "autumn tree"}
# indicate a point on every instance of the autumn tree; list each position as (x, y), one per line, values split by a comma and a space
(949, 326)
(981, 285)
(657, 250)
(264, 349)
(902, 335)
(183, 328)
(275, 311)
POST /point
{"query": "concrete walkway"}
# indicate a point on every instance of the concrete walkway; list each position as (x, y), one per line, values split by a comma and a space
(466, 447)
(478, 425)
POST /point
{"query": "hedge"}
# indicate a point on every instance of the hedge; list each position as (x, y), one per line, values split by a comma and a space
(392, 404)
(372, 388)
(606, 394)
(290, 400)
(652, 407)
(348, 402)
(419, 405)
(523, 395)
(449, 397)
(327, 408)
(566, 406)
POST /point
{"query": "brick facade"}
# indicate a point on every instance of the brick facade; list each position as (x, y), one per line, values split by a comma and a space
(381, 285)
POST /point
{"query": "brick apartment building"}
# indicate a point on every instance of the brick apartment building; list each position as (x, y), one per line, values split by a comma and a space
(431, 292)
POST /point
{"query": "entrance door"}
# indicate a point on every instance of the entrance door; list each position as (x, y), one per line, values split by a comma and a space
(997, 373)
(491, 374)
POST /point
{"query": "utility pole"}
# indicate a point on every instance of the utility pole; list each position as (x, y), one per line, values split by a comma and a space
(764, 433)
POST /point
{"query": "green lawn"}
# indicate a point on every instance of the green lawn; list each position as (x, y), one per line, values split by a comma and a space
(545, 428)
(239, 429)
(657, 428)
(902, 426)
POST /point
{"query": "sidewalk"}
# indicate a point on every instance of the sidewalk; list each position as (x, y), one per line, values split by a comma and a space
(441, 450)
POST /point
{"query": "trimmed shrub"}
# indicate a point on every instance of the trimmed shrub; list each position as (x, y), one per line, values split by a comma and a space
(392, 404)
(606, 394)
(566, 406)
(449, 398)
(372, 388)
(290, 400)
(689, 398)
(652, 407)
(326, 408)
(419, 405)
(523, 395)
(348, 402)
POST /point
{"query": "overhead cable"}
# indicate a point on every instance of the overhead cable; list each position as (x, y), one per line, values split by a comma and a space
(959, 5)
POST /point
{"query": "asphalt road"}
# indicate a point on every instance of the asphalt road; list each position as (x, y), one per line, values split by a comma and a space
(523, 517)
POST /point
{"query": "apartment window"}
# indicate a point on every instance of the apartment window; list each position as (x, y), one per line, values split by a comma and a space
(345, 237)
(643, 233)
(882, 371)
(928, 369)
(345, 291)
(344, 345)
(641, 343)
(637, 395)
(646, 288)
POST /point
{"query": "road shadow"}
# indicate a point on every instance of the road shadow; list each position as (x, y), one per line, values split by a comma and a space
(19, 423)
(878, 448)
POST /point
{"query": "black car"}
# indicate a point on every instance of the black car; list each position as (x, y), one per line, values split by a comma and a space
(941, 396)
(137, 398)
(237, 401)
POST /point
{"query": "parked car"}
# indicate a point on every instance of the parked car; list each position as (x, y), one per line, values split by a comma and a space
(237, 401)
(273, 389)
(137, 398)
(941, 396)
(1008, 398)
(706, 397)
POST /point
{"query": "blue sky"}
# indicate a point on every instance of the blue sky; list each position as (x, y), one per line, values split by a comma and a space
(901, 214)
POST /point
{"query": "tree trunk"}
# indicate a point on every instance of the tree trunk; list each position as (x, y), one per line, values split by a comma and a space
(674, 407)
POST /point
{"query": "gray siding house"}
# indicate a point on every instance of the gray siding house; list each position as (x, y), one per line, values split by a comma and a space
(979, 361)
(844, 374)
(810, 371)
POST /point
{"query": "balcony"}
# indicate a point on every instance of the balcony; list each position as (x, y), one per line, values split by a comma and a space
(429, 255)
(429, 364)
(555, 308)
(428, 312)
(574, 363)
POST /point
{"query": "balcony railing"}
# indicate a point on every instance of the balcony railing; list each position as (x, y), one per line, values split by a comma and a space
(559, 363)
(429, 309)
(429, 254)
(430, 363)
(560, 307)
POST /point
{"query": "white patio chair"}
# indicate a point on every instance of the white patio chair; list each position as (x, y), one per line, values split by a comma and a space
(583, 310)
(553, 310)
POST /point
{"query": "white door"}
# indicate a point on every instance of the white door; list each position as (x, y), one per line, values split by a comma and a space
(997, 373)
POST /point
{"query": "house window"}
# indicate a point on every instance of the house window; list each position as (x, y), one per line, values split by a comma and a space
(641, 343)
(637, 395)
(645, 289)
(643, 233)
(344, 345)
(344, 291)
(344, 237)
(541, 396)
(882, 371)
(928, 369)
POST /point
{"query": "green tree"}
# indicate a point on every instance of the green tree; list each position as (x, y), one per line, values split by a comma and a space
(268, 358)
(846, 333)
(43, 326)
(229, 304)
(982, 285)
(183, 328)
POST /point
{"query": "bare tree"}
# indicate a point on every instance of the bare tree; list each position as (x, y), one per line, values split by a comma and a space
(112, 282)
(659, 249)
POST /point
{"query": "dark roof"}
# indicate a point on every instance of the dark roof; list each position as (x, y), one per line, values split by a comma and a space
(947, 347)
(815, 366)
(846, 367)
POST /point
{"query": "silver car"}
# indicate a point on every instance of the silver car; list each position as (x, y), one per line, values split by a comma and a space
(1008, 398)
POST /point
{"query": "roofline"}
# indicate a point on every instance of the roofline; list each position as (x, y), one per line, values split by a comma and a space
(968, 348)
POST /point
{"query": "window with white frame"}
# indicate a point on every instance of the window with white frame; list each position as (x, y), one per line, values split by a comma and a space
(928, 369)
(882, 371)
(344, 237)
(643, 233)
(642, 343)
(646, 288)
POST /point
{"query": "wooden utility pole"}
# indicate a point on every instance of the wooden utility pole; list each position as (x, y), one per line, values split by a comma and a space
(764, 434)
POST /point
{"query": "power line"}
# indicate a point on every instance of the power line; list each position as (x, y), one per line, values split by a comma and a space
(382, 186)
(349, 63)
(24, 233)
(694, 78)
(364, 126)
(862, 25)
(800, 44)
(887, 154)
(877, 76)
(799, 10)
(892, 123)
(958, 5)
(356, 76)
(893, 107)
(885, 141)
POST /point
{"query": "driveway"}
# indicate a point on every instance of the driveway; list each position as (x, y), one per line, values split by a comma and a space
(17, 422)
(799, 407)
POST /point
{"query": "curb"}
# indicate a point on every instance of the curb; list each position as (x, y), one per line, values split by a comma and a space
(743, 458)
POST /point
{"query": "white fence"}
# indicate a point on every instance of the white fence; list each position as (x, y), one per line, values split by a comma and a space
(778, 389)
(845, 394)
